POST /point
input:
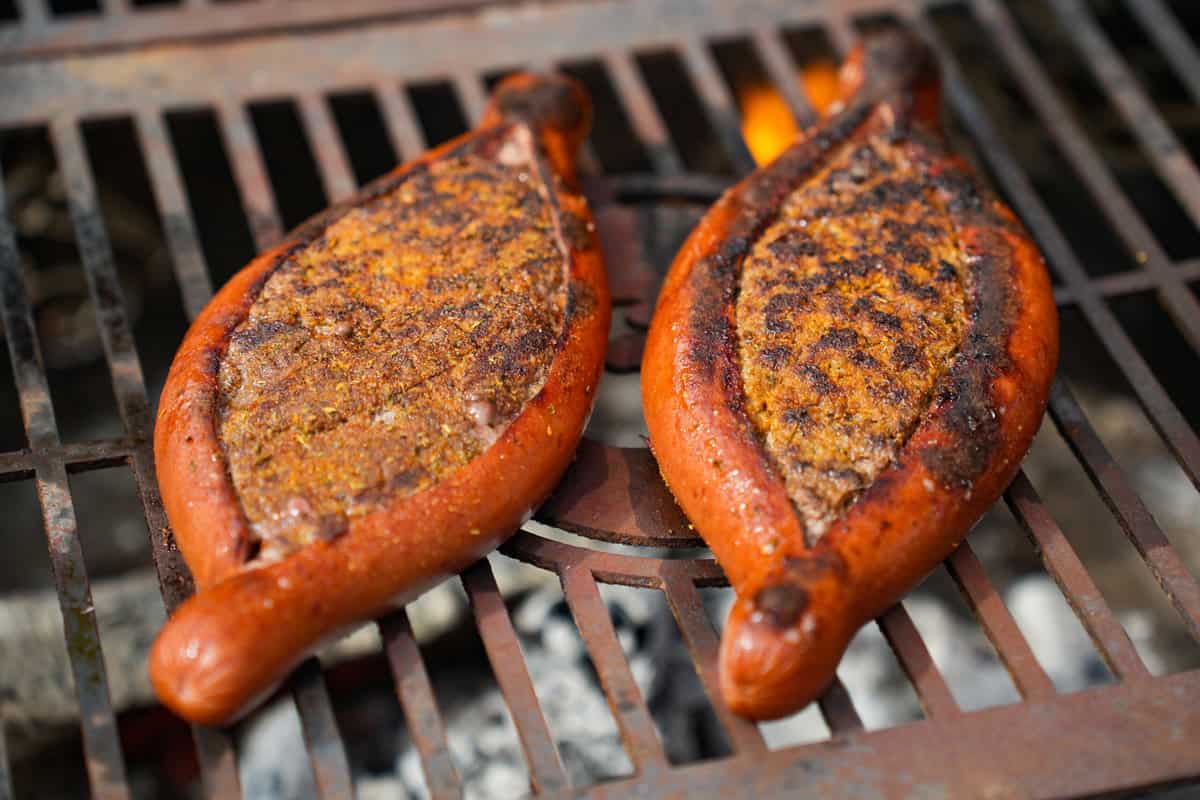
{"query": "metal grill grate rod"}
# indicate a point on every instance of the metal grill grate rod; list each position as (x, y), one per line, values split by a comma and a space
(701, 640)
(6, 787)
(326, 752)
(1123, 283)
(20, 464)
(102, 749)
(784, 72)
(469, 89)
(40, 33)
(332, 162)
(718, 103)
(401, 121)
(1129, 510)
(250, 174)
(901, 634)
(624, 698)
(1073, 579)
(508, 665)
(642, 112)
(998, 624)
(838, 710)
(103, 286)
(1168, 35)
(1120, 213)
(218, 763)
(1176, 431)
(175, 212)
(1161, 146)
(41, 430)
(421, 713)
(33, 14)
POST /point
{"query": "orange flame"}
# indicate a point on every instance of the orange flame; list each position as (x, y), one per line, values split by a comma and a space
(767, 123)
(820, 81)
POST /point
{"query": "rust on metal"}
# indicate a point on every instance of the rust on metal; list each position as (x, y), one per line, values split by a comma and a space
(998, 624)
(625, 700)
(504, 652)
(421, 713)
(1135, 519)
(615, 494)
(1081, 592)
(701, 639)
(331, 770)
(935, 697)
(1176, 431)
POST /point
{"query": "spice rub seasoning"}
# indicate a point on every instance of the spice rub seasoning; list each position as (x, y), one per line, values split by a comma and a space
(850, 308)
(392, 348)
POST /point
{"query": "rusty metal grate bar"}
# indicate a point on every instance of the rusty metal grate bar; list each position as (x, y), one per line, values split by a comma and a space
(624, 698)
(643, 113)
(1161, 146)
(182, 239)
(998, 625)
(718, 103)
(1135, 519)
(504, 653)
(401, 121)
(1166, 32)
(102, 749)
(1118, 210)
(1176, 431)
(326, 752)
(6, 786)
(933, 693)
(420, 708)
(782, 70)
(1123, 283)
(701, 640)
(336, 175)
(398, 50)
(250, 173)
(1072, 577)
(40, 34)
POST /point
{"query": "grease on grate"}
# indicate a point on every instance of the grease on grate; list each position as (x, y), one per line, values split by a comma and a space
(850, 308)
(391, 349)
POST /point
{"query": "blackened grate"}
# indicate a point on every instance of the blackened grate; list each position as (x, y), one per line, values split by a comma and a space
(226, 62)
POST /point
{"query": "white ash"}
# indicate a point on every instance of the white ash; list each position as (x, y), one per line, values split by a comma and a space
(484, 745)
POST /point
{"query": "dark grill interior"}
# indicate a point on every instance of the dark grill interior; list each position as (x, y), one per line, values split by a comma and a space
(150, 148)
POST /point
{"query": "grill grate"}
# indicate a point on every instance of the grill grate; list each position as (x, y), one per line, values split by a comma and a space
(58, 72)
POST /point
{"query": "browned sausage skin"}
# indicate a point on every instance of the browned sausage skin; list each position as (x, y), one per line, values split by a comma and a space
(252, 620)
(805, 587)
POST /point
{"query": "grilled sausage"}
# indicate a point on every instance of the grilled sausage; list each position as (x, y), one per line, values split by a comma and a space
(849, 357)
(380, 400)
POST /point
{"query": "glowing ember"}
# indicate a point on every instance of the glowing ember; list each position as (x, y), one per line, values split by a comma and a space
(767, 123)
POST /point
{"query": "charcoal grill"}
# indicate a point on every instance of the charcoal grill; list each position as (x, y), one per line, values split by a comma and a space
(58, 71)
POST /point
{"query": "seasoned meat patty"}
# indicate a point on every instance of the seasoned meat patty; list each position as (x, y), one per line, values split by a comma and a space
(850, 308)
(393, 348)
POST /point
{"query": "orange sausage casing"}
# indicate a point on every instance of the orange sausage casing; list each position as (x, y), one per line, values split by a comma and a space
(800, 598)
(249, 624)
